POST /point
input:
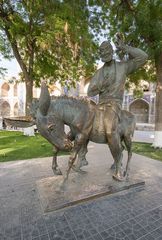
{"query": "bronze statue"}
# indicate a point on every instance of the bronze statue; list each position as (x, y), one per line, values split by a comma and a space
(101, 123)
(86, 122)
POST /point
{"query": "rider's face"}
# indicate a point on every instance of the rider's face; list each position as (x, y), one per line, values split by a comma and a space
(106, 53)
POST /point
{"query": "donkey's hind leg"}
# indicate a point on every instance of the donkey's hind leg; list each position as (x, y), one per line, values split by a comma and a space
(128, 144)
(113, 166)
(114, 143)
(55, 168)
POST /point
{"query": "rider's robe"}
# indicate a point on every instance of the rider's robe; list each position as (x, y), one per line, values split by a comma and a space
(109, 83)
(109, 80)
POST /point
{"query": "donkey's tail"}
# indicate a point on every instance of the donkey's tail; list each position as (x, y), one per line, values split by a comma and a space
(44, 100)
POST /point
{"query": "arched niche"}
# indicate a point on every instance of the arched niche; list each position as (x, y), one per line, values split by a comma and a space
(140, 108)
(5, 89)
(5, 109)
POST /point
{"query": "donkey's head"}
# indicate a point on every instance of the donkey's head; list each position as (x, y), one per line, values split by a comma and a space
(53, 130)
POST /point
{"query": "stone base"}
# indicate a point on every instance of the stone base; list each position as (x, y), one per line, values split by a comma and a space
(96, 182)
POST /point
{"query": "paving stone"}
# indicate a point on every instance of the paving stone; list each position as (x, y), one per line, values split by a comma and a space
(147, 237)
(130, 215)
(157, 233)
(43, 237)
(64, 234)
(97, 237)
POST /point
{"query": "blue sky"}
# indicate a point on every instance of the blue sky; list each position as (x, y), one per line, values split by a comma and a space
(12, 67)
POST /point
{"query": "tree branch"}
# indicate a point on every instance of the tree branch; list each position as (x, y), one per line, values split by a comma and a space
(16, 53)
(129, 5)
(5, 16)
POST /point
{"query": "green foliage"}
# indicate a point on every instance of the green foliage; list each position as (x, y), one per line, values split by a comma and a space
(53, 38)
(57, 40)
(147, 72)
(138, 93)
(141, 24)
(15, 146)
(2, 70)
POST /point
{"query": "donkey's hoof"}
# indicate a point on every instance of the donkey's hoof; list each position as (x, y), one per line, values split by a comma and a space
(81, 163)
(84, 163)
(118, 178)
(126, 175)
(57, 171)
(113, 167)
(65, 178)
(78, 170)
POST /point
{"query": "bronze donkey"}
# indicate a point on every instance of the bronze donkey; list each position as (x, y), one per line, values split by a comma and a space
(85, 120)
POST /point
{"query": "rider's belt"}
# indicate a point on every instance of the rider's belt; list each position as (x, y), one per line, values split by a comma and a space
(111, 104)
(102, 107)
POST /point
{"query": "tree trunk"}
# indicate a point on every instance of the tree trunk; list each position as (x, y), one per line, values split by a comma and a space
(158, 109)
(29, 94)
(27, 74)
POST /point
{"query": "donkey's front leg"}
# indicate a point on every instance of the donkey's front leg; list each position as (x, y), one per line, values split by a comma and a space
(81, 161)
(79, 141)
(72, 159)
(55, 168)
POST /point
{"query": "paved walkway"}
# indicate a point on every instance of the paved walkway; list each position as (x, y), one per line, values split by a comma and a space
(144, 136)
(128, 215)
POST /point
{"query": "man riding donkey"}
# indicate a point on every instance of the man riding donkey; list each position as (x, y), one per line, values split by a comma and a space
(109, 83)
(102, 123)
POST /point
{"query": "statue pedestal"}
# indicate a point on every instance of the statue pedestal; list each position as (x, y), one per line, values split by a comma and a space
(95, 182)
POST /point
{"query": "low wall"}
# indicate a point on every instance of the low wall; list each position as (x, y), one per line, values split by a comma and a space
(145, 127)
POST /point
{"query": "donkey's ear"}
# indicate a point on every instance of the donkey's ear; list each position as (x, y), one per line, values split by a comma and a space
(44, 100)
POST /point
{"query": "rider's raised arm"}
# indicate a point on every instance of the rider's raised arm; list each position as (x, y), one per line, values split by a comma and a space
(137, 58)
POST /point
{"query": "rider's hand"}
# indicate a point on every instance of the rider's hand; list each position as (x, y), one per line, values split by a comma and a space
(119, 43)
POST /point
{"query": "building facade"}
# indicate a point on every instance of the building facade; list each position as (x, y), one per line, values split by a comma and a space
(12, 100)
(143, 108)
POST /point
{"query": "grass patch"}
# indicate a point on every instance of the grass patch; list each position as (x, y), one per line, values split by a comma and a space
(145, 149)
(15, 146)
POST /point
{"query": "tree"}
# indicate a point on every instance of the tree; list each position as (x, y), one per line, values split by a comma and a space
(141, 24)
(50, 39)
(2, 70)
